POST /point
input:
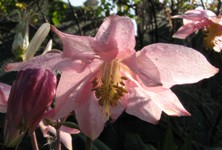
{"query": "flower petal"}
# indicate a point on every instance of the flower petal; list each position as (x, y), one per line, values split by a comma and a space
(193, 20)
(4, 94)
(90, 117)
(76, 47)
(167, 101)
(140, 105)
(72, 86)
(37, 40)
(69, 130)
(217, 43)
(47, 61)
(116, 111)
(65, 132)
(196, 15)
(144, 68)
(178, 64)
(184, 31)
(115, 38)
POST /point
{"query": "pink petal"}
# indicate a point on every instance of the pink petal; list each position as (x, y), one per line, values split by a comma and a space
(115, 38)
(196, 15)
(90, 117)
(178, 64)
(184, 31)
(65, 132)
(12, 66)
(140, 105)
(76, 47)
(188, 28)
(65, 136)
(4, 94)
(193, 20)
(144, 68)
(47, 61)
(208, 14)
(167, 101)
(217, 43)
(117, 111)
(69, 130)
(73, 83)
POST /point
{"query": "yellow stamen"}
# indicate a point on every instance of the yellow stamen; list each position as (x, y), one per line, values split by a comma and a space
(110, 86)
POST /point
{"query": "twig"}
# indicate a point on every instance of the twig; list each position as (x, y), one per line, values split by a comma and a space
(155, 20)
(204, 7)
(75, 18)
(218, 7)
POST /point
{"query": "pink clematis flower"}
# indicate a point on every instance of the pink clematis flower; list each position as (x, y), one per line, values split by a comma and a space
(107, 76)
(202, 19)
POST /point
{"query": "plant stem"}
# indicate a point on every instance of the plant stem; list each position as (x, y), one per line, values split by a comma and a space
(34, 141)
(88, 144)
(58, 142)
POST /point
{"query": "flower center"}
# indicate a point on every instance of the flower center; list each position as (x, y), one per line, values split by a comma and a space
(212, 32)
(110, 86)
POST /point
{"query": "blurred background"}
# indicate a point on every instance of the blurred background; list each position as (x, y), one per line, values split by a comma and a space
(153, 23)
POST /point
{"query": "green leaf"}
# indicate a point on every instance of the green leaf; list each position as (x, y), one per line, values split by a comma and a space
(100, 145)
(169, 143)
(187, 145)
(69, 124)
(56, 18)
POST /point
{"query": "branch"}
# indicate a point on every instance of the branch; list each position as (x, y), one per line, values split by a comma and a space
(75, 18)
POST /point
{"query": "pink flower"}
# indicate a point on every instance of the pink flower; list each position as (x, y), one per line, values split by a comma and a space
(201, 19)
(65, 132)
(30, 96)
(107, 76)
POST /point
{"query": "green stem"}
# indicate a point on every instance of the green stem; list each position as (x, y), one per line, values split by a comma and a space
(88, 144)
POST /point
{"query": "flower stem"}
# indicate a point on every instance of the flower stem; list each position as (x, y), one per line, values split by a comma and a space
(88, 144)
(58, 142)
(34, 141)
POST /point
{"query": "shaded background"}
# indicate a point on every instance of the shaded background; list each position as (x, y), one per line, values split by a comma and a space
(202, 131)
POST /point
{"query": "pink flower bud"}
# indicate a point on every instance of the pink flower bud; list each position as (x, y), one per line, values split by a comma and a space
(30, 96)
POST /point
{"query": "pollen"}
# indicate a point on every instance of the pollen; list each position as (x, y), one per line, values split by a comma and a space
(212, 32)
(109, 87)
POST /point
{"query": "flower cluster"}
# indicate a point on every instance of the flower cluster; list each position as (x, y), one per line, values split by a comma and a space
(202, 19)
(103, 76)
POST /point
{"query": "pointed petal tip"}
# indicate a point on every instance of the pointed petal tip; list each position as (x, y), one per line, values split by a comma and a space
(179, 36)
(215, 70)
(180, 113)
(185, 113)
(54, 29)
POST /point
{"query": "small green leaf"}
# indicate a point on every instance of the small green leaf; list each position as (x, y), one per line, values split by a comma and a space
(69, 124)
(169, 143)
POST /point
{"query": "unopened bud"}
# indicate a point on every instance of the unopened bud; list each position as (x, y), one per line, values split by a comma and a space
(31, 95)
(21, 40)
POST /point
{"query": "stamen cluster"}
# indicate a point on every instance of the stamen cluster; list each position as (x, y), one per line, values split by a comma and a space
(110, 87)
